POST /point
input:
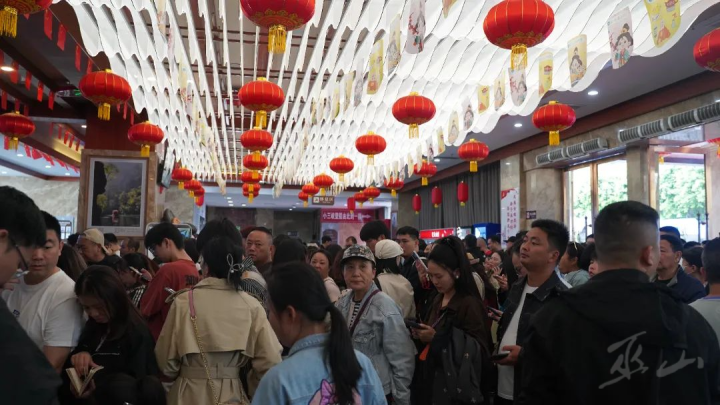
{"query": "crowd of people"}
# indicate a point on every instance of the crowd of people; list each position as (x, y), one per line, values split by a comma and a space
(229, 316)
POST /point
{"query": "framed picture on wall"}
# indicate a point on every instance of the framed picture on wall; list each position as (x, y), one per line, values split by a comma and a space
(117, 195)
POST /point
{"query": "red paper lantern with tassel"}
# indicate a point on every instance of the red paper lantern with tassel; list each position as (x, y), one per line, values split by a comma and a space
(145, 134)
(417, 204)
(707, 51)
(341, 165)
(351, 205)
(372, 192)
(310, 189)
(105, 89)
(473, 152)
(413, 110)
(11, 9)
(324, 182)
(463, 193)
(279, 17)
(200, 201)
(370, 144)
(394, 184)
(302, 196)
(256, 140)
(360, 198)
(192, 186)
(255, 162)
(262, 97)
(716, 141)
(425, 170)
(436, 197)
(199, 193)
(251, 178)
(15, 126)
(554, 117)
(251, 194)
(181, 175)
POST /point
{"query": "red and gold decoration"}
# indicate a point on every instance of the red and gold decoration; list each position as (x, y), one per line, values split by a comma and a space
(324, 182)
(716, 141)
(251, 178)
(661, 156)
(351, 204)
(341, 165)
(181, 175)
(436, 197)
(256, 140)
(250, 194)
(518, 25)
(310, 189)
(473, 152)
(553, 118)
(145, 134)
(414, 110)
(15, 126)
(199, 195)
(425, 170)
(302, 196)
(200, 201)
(463, 193)
(394, 184)
(707, 51)
(417, 204)
(262, 97)
(192, 186)
(279, 17)
(370, 144)
(360, 198)
(372, 192)
(11, 9)
(255, 162)
(106, 89)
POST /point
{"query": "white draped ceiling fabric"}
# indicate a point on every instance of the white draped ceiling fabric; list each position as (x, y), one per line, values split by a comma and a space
(188, 88)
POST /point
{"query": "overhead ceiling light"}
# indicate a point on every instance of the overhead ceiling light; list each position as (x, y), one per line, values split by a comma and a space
(67, 174)
(243, 205)
(717, 101)
(593, 93)
(7, 69)
(4, 172)
(291, 209)
(47, 167)
(19, 155)
(518, 125)
(83, 126)
(229, 198)
(507, 163)
(437, 160)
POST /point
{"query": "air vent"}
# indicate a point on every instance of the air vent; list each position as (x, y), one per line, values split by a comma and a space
(682, 120)
(629, 135)
(654, 128)
(574, 150)
(543, 159)
(557, 154)
(709, 112)
(594, 145)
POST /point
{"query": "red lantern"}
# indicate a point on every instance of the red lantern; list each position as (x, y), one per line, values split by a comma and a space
(324, 182)
(192, 186)
(199, 193)
(436, 197)
(255, 162)
(425, 170)
(304, 198)
(181, 175)
(716, 141)
(145, 134)
(372, 192)
(15, 126)
(279, 17)
(200, 201)
(256, 140)
(707, 51)
(106, 89)
(554, 117)
(262, 97)
(417, 204)
(351, 204)
(462, 193)
(414, 110)
(11, 9)
(360, 198)
(518, 25)
(251, 178)
(310, 189)
(473, 152)
(395, 184)
(370, 144)
(341, 165)
(250, 194)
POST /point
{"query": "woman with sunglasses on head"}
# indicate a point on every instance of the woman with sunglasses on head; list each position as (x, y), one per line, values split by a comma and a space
(570, 265)
(322, 367)
(214, 330)
(457, 306)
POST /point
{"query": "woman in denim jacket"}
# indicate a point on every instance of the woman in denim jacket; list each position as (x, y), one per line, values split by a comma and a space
(376, 325)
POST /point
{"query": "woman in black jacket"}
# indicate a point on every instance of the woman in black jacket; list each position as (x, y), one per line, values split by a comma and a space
(114, 337)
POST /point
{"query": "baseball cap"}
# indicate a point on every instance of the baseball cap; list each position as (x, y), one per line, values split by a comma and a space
(95, 236)
(511, 239)
(387, 249)
(357, 251)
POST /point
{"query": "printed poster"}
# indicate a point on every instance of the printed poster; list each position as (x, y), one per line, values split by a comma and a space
(416, 28)
(335, 101)
(358, 87)
(468, 114)
(430, 150)
(518, 85)
(393, 51)
(545, 70)
(509, 212)
(440, 141)
(577, 58)
(499, 91)
(375, 77)
(621, 37)
(453, 128)
(447, 5)
(321, 109)
(483, 93)
(313, 112)
(664, 19)
(348, 87)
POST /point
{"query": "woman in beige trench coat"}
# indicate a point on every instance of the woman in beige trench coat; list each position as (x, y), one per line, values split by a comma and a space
(232, 329)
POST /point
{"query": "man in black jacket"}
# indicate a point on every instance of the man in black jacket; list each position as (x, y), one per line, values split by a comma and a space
(620, 339)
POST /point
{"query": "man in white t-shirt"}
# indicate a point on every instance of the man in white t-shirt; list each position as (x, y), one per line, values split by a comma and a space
(709, 306)
(43, 301)
(542, 247)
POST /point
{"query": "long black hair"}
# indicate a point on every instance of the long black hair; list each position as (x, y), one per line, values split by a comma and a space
(449, 253)
(300, 286)
(104, 284)
(220, 254)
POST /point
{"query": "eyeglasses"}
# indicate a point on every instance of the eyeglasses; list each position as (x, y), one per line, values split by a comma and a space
(22, 258)
(152, 250)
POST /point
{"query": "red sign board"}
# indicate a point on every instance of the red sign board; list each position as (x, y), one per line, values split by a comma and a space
(436, 233)
(344, 216)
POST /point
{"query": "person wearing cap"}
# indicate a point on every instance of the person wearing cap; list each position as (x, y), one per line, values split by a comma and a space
(494, 243)
(376, 325)
(509, 243)
(388, 254)
(92, 247)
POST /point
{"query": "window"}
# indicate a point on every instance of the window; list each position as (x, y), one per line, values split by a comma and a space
(580, 181)
(682, 194)
(611, 183)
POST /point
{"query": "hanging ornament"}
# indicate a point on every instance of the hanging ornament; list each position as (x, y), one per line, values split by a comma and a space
(256, 140)
(351, 205)
(394, 184)
(425, 170)
(200, 201)
(414, 110)
(279, 17)
(716, 141)
(417, 204)
(360, 198)
(262, 97)
(372, 192)
(145, 134)
(251, 194)
(11, 9)
(554, 117)
(15, 126)
(106, 89)
(518, 25)
(462, 193)
(255, 162)
(707, 51)
(304, 198)
(323, 181)
(370, 144)
(192, 186)
(436, 197)
(181, 175)
(251, 178)
(310, 189)
(341, 165)
(473, 152)
(661, 156)
(198, 194)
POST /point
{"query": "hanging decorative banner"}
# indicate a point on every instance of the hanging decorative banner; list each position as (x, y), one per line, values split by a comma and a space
(48, 24)
(509, 213)
(499, 91)
(4, 100)
(51, 100)
(483, 94)
(313, 112)
(358, 89)
(335, 101)
(664, 19)
(430, 148)
(62, 33)
(416, 28)
(40, 91)
(375, 77)
(393, 50)
(577, 58)
(545, 72)
(26, 110)
(28, 79)
(468, 114)
(453, 128)
(518, 85)
(89, 67)
(621, 37)
(347, 89)
(78, 52)
(440, 137)
(320, 108)
(17, 104)
(15, 75)
(447, 5)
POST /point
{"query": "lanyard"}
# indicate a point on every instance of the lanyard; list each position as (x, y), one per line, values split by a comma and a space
(356, 320)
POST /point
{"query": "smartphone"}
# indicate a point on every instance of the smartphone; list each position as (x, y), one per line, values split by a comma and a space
(169, 290)
(142, 276)
(495, 310)
(499, 356)
(417, 258)
(412, 324)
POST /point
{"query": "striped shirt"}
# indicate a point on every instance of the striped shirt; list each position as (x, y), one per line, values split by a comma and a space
(356, 310)
(136, 294)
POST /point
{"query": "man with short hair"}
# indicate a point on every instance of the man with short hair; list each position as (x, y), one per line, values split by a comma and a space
(92, 247)
(541, 250)
(670, 230)
(26, 377)
(672, 275)
(178, 272)
(44, 300)
(373, 232)
(509, 243)
(408, 239)
(619, 339)
(128, 246)
(590, 239)
(112, 244)
(472, 247)
(495, 243)
(693, 266)
(350, 241)
(709, 306)
(259, 247)
(326, 241)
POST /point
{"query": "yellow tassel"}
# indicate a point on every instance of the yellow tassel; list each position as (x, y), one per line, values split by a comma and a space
(305, 204)
(251, 188)
(662, 159)
(352, 212)
(360, 204)
(13, 143)
(436, 205)
(372, 200)
(104, 111)
(250, 198)
(424, 181)
(393, 193)
(417, 212)
(145, 151)
(462, 204)
(322, 191)
(181, 185)
(473, 166)
(260, 119)
(371, 160)
(197, 200)
(718, 151)
(414, 131)
(192, 193)
(341, 177)
(277, 39)
(519, 50)
(8, 22)
(554, 138)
